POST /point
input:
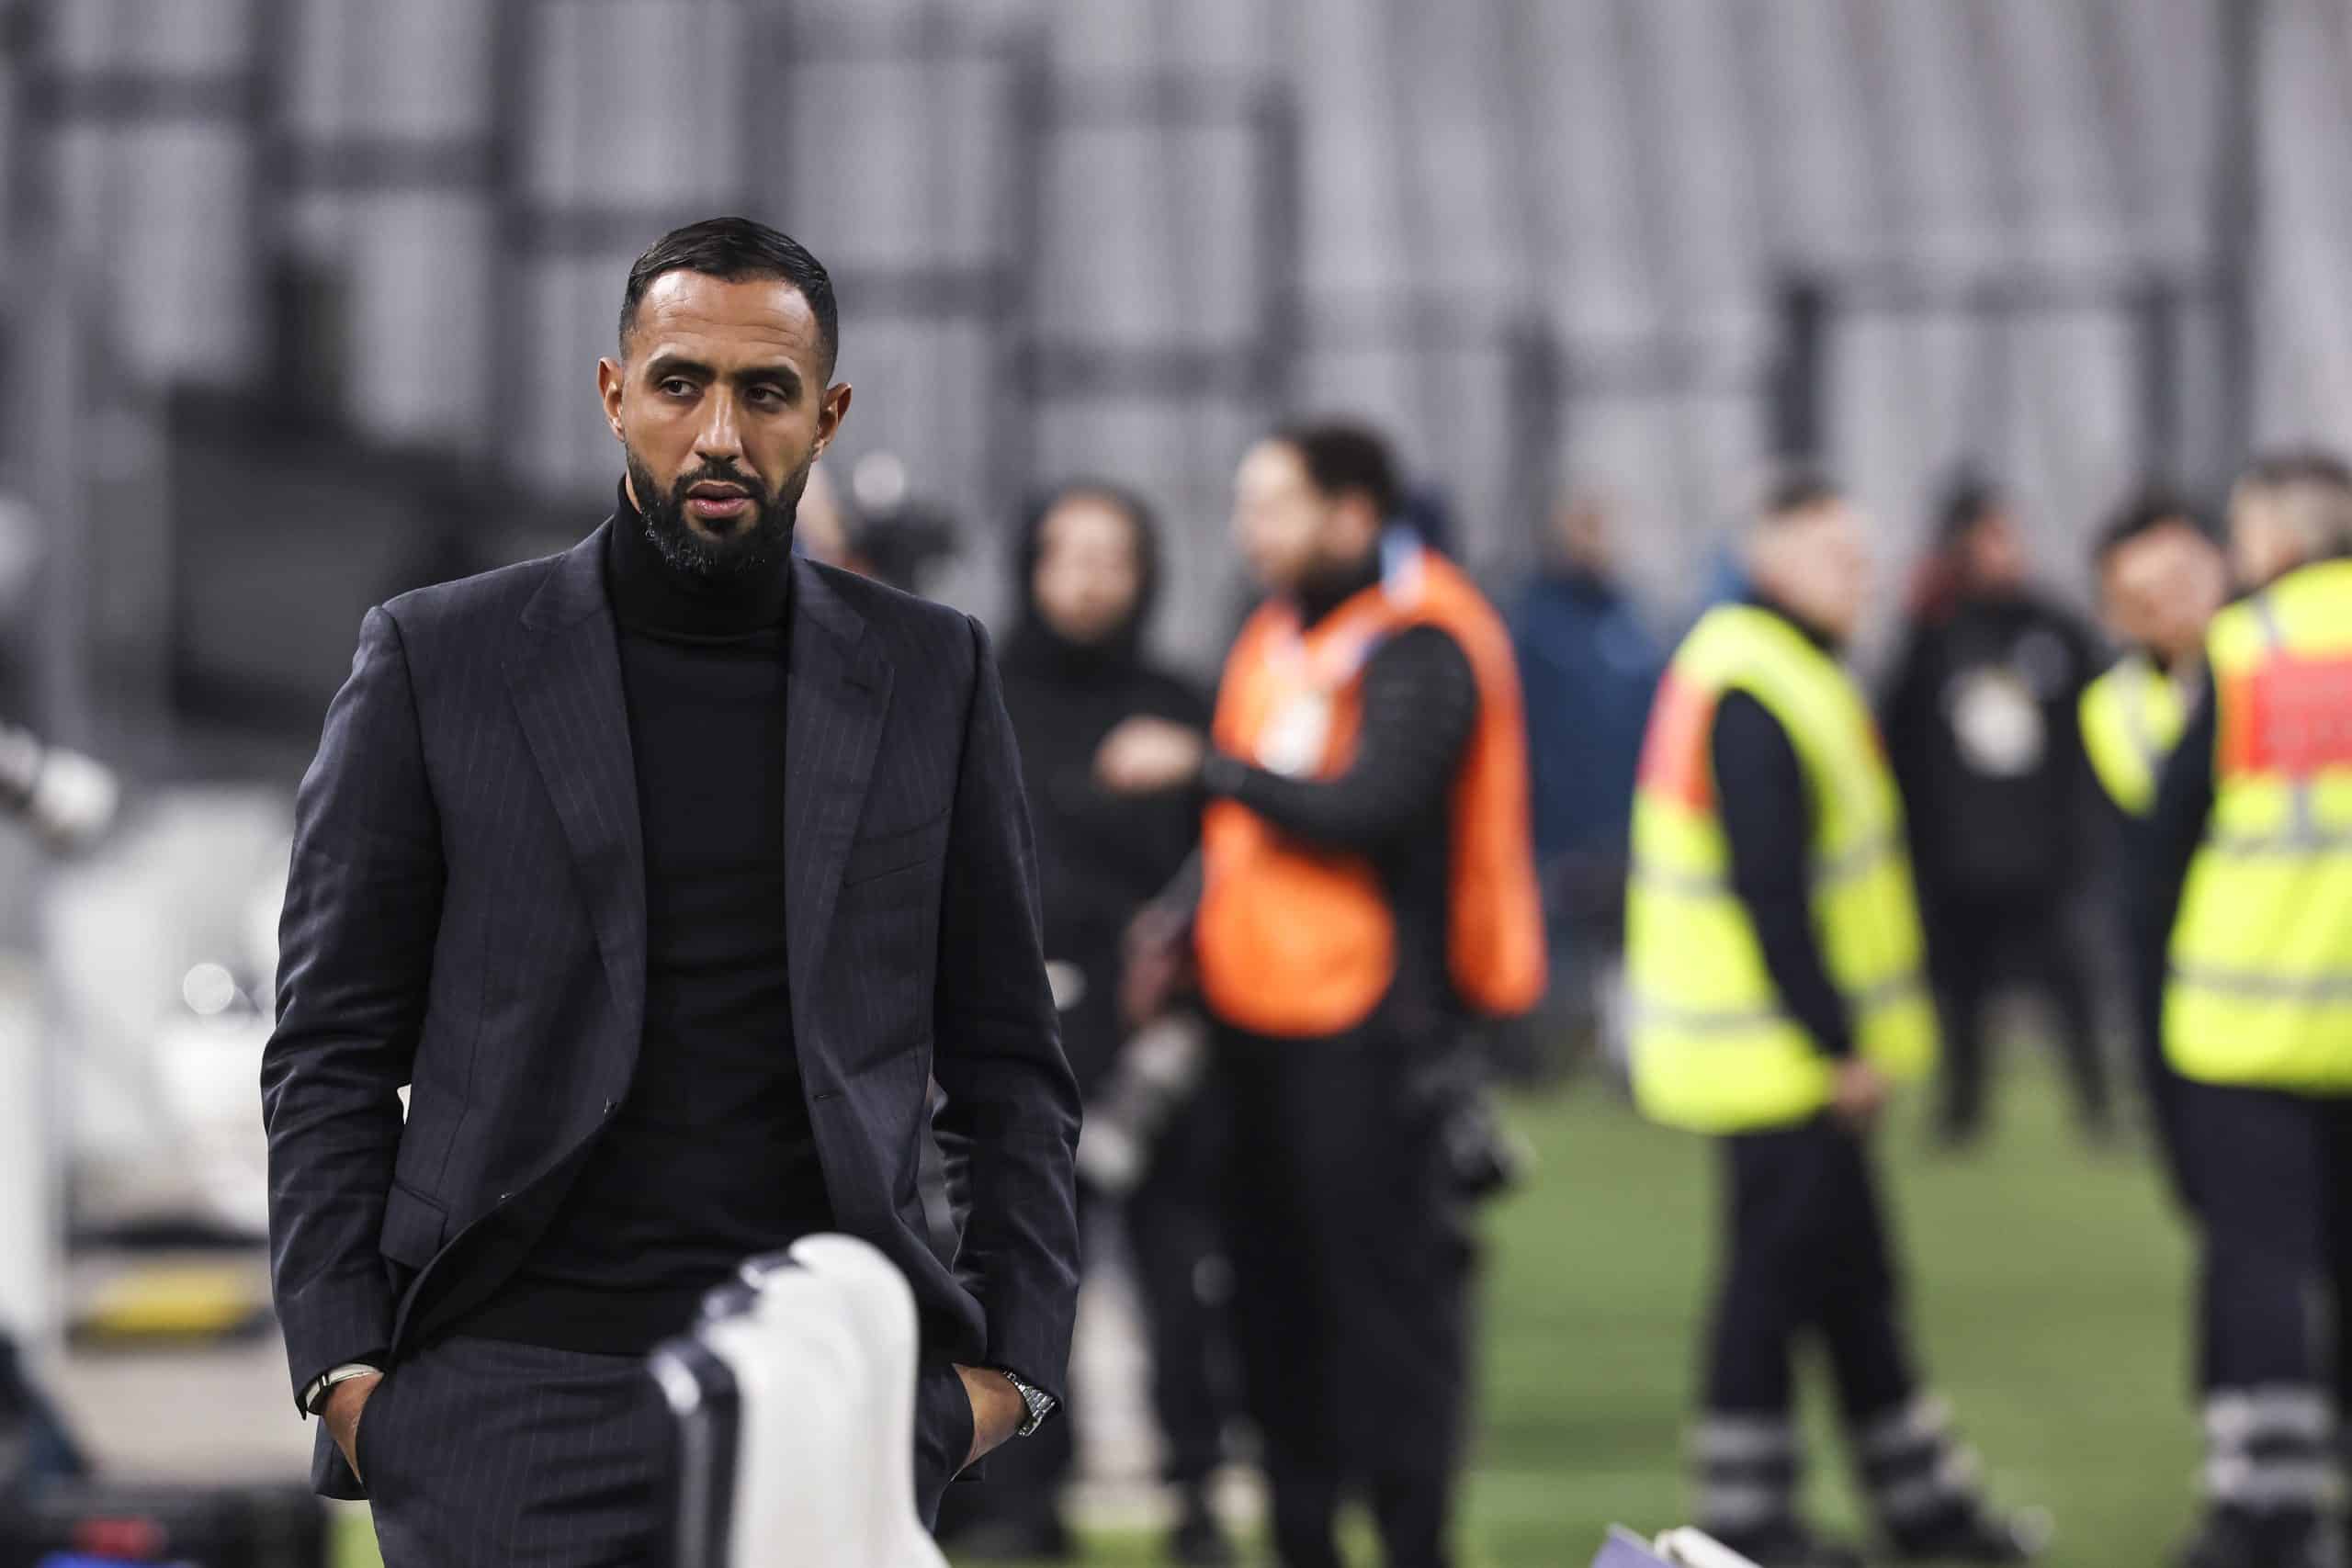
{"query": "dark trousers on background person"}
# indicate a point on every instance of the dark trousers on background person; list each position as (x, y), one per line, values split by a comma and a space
(1175, 1233)
(2273, 1174)
(1807, 1254)
(1351, 1289)
(1975, 944)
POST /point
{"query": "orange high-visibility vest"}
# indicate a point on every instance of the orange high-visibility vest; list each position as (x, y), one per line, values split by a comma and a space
(1296, 942)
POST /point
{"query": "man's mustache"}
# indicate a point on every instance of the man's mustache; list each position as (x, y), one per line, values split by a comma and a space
(712, 474)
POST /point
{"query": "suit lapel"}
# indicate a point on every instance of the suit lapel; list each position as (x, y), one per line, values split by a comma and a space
(838, 694)
(567, 690)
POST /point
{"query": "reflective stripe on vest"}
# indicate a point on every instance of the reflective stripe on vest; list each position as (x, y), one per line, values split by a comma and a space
(2260, 990)
(1714, 1049)
(2131, 719)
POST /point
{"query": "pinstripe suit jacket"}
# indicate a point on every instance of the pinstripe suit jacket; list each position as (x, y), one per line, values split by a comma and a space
(466, 917)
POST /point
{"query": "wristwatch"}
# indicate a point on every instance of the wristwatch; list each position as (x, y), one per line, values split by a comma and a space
(314, 1397)
(1040, 1404)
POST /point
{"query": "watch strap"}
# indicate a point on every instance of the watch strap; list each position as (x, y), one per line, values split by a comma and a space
(1038, 1403)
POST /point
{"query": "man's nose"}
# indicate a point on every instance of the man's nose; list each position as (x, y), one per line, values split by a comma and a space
(722, 434)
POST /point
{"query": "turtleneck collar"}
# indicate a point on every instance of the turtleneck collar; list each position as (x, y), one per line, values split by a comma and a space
(1318, 596)
(651, 595)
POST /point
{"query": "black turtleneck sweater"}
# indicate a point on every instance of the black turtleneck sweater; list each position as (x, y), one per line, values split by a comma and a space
(710, 1157)
(1768, 820)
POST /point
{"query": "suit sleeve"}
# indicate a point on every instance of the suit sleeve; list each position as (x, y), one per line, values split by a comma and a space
(363, 905)
(998, 1055)
(1421, 704)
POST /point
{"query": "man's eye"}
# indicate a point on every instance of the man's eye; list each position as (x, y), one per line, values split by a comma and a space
(677, 387)
(766, 398)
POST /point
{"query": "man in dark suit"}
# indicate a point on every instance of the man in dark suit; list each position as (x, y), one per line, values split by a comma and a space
(668, 873)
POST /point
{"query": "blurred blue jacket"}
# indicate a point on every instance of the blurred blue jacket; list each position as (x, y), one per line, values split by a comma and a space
(1589, 667)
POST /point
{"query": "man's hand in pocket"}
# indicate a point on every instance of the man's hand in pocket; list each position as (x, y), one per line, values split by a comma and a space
(998, 1410)
(345, 1403)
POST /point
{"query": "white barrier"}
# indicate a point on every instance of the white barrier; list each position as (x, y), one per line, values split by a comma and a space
(1675, 1548)
(796, 1413)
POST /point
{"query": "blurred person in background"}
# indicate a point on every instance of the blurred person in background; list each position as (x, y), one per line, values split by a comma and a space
(1368, 887)
(1775, 965)
(1589, 667)
(2248, 915)
(667, 873)
(69, 801)
(1087, 576)
(1981, 722)
(2161, 578)
(823, 531)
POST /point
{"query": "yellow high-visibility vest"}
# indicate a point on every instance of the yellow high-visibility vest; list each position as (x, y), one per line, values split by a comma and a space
(2131, 719)
(1714, 1049)
(2260, 990)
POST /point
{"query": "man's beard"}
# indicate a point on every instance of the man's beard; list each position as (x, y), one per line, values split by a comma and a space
(756, 546)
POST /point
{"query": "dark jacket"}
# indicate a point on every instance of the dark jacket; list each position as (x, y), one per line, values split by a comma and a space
(1981, 728)
(1588, 667)
(1101, 856)
(466, 916)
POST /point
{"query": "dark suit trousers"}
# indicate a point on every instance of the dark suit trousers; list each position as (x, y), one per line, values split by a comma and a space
(479, 1452)
(484, 1451)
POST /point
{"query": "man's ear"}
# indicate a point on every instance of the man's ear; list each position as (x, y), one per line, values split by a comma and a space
(611, 378)
(830, 414)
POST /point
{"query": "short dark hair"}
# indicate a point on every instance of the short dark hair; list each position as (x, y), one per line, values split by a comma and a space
(1346, 460)
(1792, 490)
(1969, 497)
(2299, 466)
(733, 250)
(2311, 488)
(2146, 513)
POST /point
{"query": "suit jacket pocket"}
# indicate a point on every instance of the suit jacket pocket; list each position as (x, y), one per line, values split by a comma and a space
(942, 1433)
(881, 854)
(415, 1228)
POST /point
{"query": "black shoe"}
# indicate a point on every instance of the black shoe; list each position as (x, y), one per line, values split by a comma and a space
(1789, 1545)
(1199, 1540)
(1973, 1534)
(2229, 1539)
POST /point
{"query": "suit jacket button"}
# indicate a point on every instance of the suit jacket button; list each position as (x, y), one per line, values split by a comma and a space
(608, 1106)
(503, 1197)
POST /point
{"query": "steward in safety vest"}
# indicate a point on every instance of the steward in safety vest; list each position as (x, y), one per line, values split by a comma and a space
(2160, 581)
(1775, 967)
(2251, 852)
(1367, 886)
(2161, 577)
